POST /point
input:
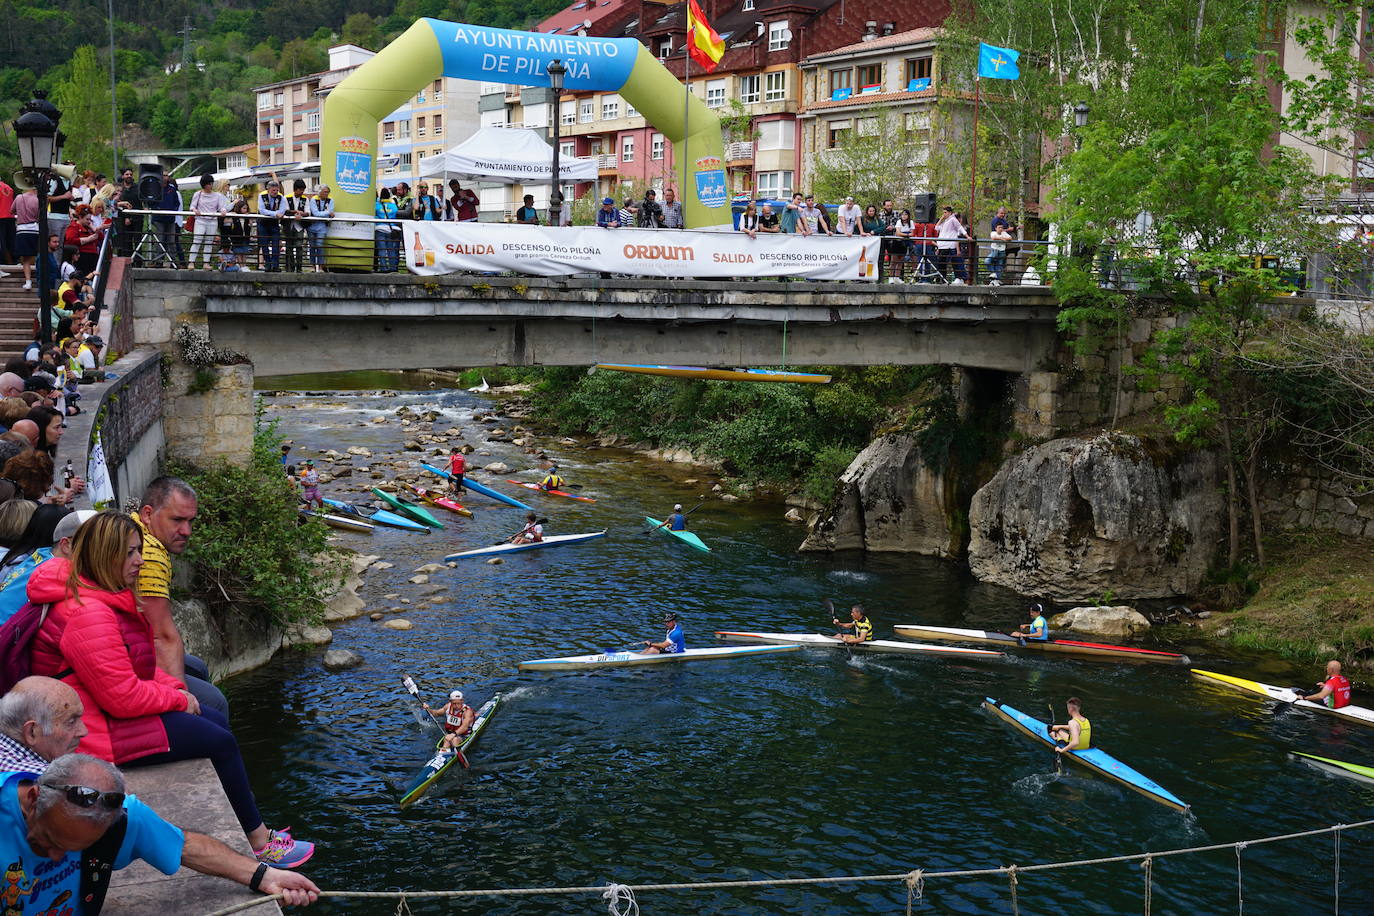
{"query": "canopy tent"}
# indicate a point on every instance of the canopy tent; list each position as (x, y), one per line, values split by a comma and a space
(505, 155)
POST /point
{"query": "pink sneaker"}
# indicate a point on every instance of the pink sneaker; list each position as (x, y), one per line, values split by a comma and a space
(282, 851)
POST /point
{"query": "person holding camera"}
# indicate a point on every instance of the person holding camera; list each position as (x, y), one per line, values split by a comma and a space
(650, 214)
(1002, 232)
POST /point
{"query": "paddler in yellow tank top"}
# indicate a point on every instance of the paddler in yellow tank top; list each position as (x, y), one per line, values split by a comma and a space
(1078, 734)
(859, 623)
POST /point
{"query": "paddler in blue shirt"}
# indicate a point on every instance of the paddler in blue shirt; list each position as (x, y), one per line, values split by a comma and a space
(677, 521)
(673, 644)
(1078, 734)
(1038, 628)
(859, 623)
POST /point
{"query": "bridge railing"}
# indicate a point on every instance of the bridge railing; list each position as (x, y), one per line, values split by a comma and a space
(249, 241)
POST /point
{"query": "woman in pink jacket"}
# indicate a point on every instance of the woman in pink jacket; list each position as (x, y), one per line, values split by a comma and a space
(96, 639)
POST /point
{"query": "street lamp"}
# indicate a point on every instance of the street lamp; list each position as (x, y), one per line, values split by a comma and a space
(1080, 115)
(40, 143)
(556, 73)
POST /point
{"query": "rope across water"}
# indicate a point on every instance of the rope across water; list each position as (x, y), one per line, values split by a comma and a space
(622, 895)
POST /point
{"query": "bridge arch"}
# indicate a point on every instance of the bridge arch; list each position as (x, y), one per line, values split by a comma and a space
(432, 48)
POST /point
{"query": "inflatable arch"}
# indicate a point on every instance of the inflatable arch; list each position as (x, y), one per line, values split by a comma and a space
(432, 48)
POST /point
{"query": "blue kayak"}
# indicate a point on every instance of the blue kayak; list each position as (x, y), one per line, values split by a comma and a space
(376, 516)
(474, 486)
(1094, 759)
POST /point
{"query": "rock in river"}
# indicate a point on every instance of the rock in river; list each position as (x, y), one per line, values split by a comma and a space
(342, 659)
(1116, 621)
(398, 623)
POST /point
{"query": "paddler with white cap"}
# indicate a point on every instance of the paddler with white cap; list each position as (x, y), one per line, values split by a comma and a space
(457, 717)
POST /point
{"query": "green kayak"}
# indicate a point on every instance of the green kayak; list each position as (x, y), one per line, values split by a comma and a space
(1339, 767)
(686, 537)
(408, 508)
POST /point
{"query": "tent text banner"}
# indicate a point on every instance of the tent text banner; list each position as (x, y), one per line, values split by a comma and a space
(441, 248)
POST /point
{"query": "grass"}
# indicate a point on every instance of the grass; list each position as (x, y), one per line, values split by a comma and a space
(1315, 602)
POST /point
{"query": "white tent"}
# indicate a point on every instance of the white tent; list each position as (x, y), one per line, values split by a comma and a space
(505, 155)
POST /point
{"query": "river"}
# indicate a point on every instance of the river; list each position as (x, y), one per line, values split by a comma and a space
(807, 764)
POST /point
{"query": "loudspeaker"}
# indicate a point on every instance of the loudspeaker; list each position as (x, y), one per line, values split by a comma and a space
(923, 208)
(150, 182)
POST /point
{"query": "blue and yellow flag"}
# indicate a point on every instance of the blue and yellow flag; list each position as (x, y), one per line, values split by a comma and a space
(998, 63)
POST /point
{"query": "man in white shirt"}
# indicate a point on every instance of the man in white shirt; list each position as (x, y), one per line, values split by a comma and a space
(948, 233)
(847, 220)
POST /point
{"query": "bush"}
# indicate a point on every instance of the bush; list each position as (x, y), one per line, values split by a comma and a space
(253, 553)
(823, 480)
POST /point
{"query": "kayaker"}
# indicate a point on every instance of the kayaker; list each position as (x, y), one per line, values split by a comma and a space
(532, 533)
(1078, 734)
(677, 521)
(859, 623)
(310, 484)
(672, 644)
(458, 718)
(457, 467)
(1335, 691)
(1038, 628)
(552, 480)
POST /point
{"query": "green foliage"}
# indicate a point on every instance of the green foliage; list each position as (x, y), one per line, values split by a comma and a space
(823, 478)
(252, 553)
(84, 98)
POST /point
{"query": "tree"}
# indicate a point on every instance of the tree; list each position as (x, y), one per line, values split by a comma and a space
(873, 160)
(84, 98)
(361, 29)
(211, 125)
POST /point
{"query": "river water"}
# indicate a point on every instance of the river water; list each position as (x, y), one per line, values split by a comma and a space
(806, 764)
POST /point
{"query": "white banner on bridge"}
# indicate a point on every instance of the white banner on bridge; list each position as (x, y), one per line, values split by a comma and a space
(441, 248)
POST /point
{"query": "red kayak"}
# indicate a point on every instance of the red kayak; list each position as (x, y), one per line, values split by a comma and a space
(434, 498)
(538, 489)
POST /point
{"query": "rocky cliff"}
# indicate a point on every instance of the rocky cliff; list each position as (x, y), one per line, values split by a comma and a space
(1075, 519)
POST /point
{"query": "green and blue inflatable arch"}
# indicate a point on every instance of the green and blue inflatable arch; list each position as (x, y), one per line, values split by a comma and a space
(432, 48)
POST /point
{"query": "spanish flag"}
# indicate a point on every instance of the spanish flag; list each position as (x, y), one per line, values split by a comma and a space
(705, 46)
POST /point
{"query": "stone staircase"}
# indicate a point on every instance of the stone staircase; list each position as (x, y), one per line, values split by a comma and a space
(18, 306)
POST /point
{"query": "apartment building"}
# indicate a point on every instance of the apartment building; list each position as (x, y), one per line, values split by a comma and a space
(439, 116)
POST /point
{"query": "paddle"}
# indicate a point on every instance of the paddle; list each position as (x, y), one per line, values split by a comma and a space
(665, 522)
(830, 609)
(1058, 757)
(414, 691)
(538, 521)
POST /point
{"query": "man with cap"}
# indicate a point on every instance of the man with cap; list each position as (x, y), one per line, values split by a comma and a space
(1037, 629)
(310, 485)
(88, 357)
(458, 718)
(673, 643)
(552, 480)
(607, 217)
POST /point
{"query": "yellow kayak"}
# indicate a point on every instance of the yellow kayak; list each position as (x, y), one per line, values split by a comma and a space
(1350, 713)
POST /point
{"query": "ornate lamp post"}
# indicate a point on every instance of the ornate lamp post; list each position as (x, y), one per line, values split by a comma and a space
(556, 71)
(40, 145)
(1080, 120)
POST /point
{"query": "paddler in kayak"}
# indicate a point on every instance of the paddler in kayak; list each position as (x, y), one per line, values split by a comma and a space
(458, 718)
(532, 533)
(1078, 734)
(1038, 628)
(552, 480)
(1335, 690)
(859, 623)
(672, 644)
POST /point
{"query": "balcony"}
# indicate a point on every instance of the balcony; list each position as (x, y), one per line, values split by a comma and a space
(513, 93)
(739, 152)
(607, 162)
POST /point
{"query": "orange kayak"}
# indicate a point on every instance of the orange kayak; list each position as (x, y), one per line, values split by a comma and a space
(538, 489)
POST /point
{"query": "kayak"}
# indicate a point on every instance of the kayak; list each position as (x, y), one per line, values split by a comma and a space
(439, 764)
(340, 521)
(1063, 646)
(474, 486)
(625, 659)
(723, 375)
(686, 537)
(1338, 767)
(376, 516)
(538, 489)
(891, 646)
(557, 540)
(406, 507)
(435, 498)
(1094, 759)
(1349, 713)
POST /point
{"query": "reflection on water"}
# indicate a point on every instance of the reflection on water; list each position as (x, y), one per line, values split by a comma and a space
(808, 763)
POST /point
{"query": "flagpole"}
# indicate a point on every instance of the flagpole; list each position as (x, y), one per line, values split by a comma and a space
(686, 96)
(973, 175)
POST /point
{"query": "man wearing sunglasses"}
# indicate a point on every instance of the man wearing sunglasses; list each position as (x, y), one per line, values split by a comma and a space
(63, 831)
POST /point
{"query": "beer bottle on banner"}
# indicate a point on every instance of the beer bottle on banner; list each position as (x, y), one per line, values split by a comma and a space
(419, 252)
(863, 262)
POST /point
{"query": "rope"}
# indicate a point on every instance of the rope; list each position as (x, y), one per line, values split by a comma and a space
(1337, 835)
(1148, 865)
(806, 882)
(784, 341)
(402, 908)
(621, 900)
(915, 888)
(1011, 880)
(1240, 885)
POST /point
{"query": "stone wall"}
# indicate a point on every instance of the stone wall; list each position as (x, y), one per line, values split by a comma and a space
(1295, 500)
(128, 408)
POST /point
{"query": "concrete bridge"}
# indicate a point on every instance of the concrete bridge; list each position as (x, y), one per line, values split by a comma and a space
(296, 323)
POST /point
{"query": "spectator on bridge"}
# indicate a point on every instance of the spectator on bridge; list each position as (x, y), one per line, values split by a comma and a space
(236, 234)
(167, 240)
(271, 209)
(100, 214)
(792, 221)
(89, 355)
(387, 235)
(429, 208)
(847, 220)
(650, 215)
(901, 234)
(997, 254)
(207, 206)
(130, 227)
(817, 217)
(527, 215)
(608, 217)
(672, 210)
(949, 231)
(629, 213)
(872, 223)
(32, 471)
(50, 426)
(292, 227)
(749, 220)
(768, 220)
(84, 238)
(319, 211)
(405, 203)
(26, 232)
(462, 203)
(11, 385)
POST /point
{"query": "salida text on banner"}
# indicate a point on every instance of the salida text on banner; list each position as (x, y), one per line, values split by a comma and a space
(441, 248)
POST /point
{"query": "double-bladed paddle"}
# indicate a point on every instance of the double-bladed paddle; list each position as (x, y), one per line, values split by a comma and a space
(1049, 732)
(414, 691)
(538, 521)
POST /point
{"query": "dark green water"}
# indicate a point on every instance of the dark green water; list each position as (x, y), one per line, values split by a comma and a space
(806, 764)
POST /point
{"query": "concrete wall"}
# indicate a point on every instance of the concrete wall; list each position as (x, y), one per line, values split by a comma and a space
(128, 411)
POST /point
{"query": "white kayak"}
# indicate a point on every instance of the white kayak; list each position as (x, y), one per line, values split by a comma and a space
(624, 659)
(873, 645)
(556, 540)
(1351, 713)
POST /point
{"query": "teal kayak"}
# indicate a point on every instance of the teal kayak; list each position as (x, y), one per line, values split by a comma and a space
(440, 763)
(474, 486)
(406, 507)
(376, 516)
(686, 537)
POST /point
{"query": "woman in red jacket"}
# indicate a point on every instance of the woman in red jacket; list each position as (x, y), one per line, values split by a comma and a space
(97, 640)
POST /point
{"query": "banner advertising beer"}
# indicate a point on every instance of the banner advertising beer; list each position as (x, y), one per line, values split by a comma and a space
(441, 248)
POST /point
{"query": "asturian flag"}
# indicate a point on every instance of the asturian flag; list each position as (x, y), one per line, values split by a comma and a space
(996, 63)
(705, 46)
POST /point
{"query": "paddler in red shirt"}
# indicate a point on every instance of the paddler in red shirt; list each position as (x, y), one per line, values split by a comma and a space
(1335, 691)
(457, 466)
(458, 718)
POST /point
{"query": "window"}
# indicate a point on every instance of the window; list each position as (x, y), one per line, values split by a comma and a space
(779, 36)
(774, 184)
(388, 130)
(841, 80)
(917, 68)
(278, 99)
(917, 122)
(587, 111)
(567, 112)
(567, 148)
(837, 132)
(870, 77)
(438, 125)
(312, 122)
(665, 47)
(420, 97)
(276, 128)
(656, 146)
(775, 86)
(264, 101)
(437, 96)
(749, 88)
(631, 111)
(776, 134)
(627, 149)
(715, 93)
(236, 161)
(748, 5)
(403, 129)
(610, 108)
(266, 129)
(867, 127)
(405, 161)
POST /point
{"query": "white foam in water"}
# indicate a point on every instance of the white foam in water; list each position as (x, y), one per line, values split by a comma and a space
(851, 575)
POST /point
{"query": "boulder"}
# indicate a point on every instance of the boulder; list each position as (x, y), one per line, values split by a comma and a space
(430, 568)
(378, 615)
(305, 635)
(358, 449)
(399, 623)
(496, 561)
(421, 580)
(342, 659)
(1076, 518)
(1115, 621)
(413, 446)
(497, 467)
(888, 501)
(792, 515)
(724, 497)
